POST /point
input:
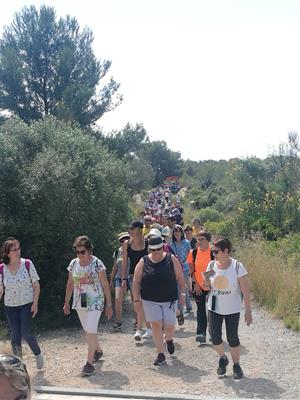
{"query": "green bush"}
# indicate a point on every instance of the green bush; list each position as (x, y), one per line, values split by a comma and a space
(210, 214)
(57, 183)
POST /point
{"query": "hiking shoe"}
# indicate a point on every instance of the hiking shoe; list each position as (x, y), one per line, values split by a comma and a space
(237, 371)
(223, 362)
(88, 369)
(180, 319)
(138, 336)
(147, 334)
(117, 326)
(201, 338)
(170, 346)
(39, 359)
(97, 355)
(160, 359)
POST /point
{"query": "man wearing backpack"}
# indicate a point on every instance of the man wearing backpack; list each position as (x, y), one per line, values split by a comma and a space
(198, 260)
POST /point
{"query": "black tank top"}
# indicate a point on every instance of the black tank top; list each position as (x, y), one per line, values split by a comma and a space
(159, 280)
(135, 256)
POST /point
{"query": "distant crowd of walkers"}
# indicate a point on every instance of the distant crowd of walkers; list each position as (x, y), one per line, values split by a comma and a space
(164, 264)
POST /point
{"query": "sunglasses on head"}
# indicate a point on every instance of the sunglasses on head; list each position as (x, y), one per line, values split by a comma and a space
(81, 252)
(16, 364)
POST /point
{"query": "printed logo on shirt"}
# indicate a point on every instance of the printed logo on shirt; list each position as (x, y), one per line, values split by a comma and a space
(220, 284)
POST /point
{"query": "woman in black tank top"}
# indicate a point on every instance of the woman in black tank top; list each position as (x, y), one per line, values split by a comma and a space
(155, 282)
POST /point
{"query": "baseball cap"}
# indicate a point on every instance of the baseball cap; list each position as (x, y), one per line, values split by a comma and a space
(136, 224)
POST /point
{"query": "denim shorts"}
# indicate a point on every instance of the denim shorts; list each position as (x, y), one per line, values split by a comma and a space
(129, 282)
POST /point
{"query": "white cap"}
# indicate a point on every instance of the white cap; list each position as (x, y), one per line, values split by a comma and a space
(166, 231)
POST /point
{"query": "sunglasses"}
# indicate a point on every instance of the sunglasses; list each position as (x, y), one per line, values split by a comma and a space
(81, 252)
(177, 230)
(216, 251)
(147, 220)
(155, 250)
(188, 230)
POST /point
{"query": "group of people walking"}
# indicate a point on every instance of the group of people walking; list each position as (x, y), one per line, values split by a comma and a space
(161, 271)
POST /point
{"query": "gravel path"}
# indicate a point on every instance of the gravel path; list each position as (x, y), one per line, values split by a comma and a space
(270, 359)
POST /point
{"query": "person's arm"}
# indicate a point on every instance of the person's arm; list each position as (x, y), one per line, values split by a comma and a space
(36, 295)
(124, 264)
(1, 290)
(106, 289)
(136, 289)
(180, 280)
(244, 285)
(69, 291)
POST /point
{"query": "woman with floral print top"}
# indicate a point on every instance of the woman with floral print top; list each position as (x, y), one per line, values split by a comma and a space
(89, 285)
(19, 282)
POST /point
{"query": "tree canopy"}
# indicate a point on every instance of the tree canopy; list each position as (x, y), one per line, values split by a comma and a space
(48, 67)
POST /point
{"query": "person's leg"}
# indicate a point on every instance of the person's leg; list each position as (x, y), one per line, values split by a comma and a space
(215, 328)
(119, 298)
(13, 316)
(158, 336)
(187, 279)
(201, 313)
(26, 322)
(232, 324)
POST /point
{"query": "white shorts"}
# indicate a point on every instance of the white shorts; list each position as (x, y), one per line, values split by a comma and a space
(89, 320)
(165, 312)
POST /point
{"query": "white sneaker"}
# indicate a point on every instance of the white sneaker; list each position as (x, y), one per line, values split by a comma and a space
(147, 334)
(137, 336)
(39, 361)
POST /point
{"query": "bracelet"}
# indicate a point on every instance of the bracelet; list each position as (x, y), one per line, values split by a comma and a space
(136, 301)
(182, 294)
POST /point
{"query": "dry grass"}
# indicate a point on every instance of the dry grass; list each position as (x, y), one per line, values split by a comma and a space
(274, 283)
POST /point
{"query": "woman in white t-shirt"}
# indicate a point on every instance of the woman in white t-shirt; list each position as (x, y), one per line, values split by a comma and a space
(88, 283)
(19, 282)
(229, 286)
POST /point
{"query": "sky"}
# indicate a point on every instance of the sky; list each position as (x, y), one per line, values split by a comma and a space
(214, 79)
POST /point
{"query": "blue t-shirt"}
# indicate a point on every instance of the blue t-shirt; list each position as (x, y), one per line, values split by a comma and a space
(181, 250)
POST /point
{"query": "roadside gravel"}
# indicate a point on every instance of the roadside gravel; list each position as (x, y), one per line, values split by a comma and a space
(270, 360)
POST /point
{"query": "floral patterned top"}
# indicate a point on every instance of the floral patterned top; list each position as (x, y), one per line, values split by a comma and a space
(18, 289)
(86, 280)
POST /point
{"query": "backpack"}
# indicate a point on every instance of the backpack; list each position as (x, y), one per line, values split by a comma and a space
(27, 266)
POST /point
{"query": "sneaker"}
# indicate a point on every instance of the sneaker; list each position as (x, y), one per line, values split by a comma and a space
(88, 369)
(97, 355)
(117, 326)
(201, 338)
(160, 359)
(223, 362)
(39, 359)
(237, 371)
(170, 346)
(138, 336)
(147, 334)
(180, 319)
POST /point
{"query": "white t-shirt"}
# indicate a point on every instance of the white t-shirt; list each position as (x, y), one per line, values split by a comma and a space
(226, 288)
(86, 280)
(18, 289)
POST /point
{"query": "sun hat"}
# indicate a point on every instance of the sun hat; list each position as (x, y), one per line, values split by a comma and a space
(154, 232)
(155, 242)
(123, 235)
